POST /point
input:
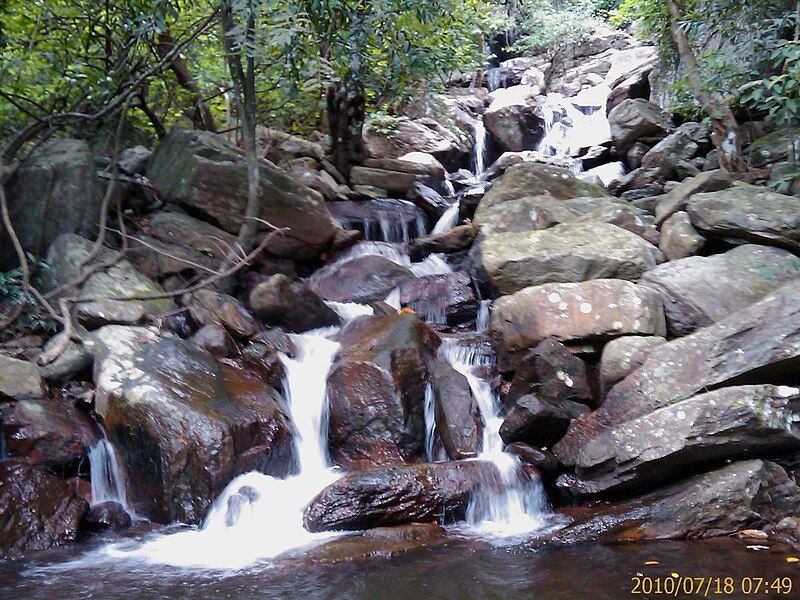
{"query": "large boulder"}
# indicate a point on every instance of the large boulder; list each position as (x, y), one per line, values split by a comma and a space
(728, 423)
(19, 379)
(363, 279)
(37, 510)
(624, 355)
(569, 252)
(208, 306)
(183, 423)
(748, 213)
(771, 148)
(376, 391)
(687, 141)
(441, 298)
(758, 342)
(743, 495)
(397, 495)
(633, 119)
(283, 302)
(450, 241)
(600, 309)
(458, 418)
(119, 280)
(539, 422)
(55, 191)
(698, 291)
(678, 197)
(201, 171)
(512, 120)
(394, 137)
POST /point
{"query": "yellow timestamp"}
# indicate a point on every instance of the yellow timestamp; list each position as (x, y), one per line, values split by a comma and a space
(677, 585)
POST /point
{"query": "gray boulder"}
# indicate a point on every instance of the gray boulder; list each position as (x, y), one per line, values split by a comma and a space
(289, 304)
(633, 119)
(624, 355)
(679, 238)
(361, 280)
(678, 198)
(458, 418)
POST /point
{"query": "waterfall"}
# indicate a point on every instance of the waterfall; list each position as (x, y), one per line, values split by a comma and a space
(479, 149)
(430, 423)
(515, 504)
(449, 218)
(258, 517)
(482, 321)
(434, 264)
(108, 484)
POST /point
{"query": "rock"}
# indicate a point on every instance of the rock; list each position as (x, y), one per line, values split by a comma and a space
(458, 418)
(443, 298)
(215, 339)
(625, 217)
(134, 160)
(679, 238)
(279, 144)
(382, 219)
(19, 379)
(381, 542)
(52, 434)
(698, 291)
(686, 142)
(184, 424)
(552, 372)
(594, 310)
(454, 240)
(117, 281)
(634, 119)
(762, 340)
(55, 191)
(208, 306)
(429, 201)
(401, 135)
(512, 120)
(751, 213)
(739, 496)
(376, 390)
(728, 423)
(431, 166)
(75, 359)
(539, 422)
(569, 252)
(543, 460)
(291, 305)
(107, 515)
(360, 280)
(201, 171)
(39, 510)
(394, 182)
(771, 148)
(396, 495)
(309, 172)
(677, 199)
(624, 355)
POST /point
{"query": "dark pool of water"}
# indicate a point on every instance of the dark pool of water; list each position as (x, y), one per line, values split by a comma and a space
(457, 569)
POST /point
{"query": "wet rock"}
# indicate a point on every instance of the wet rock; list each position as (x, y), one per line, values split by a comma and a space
(208, 306)
(289, 304)
(543, 460)
(552, 372)
(404, 135)
(376, 391)
(698, 291)
(748, 213)
(48, 433)
(454, 240)
(444, 298)
(107, 515)
(539, 422)
(184, 424)
(203, 172)
(570, 252)
(600, 309)
(679, 238)
(739, 496)
(396, 495)
(634, 119)
(728, 423)
(55, 191)
(381, 542)
(759, 342)
(677, 199)
(215, 339)
(39, 510)
(276, 338)
(428, 200)
(19, 379)
(512, 120)
(360, 280)
(382, 219)
(458, 419)
(117, 281)
(624, 355)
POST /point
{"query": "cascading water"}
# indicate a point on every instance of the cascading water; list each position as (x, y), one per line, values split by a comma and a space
(258, 517)
(482, 320)
(479, 149)
(449, 218)
(430, 423)
(107, 481)
(517, 503)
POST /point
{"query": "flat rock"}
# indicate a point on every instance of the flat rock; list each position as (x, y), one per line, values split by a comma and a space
(362, 279)
(677, 198)
(442, 298)
(19, 379)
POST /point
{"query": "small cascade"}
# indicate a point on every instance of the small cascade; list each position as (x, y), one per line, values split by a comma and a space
(449, 218)
(430, 423)
(479, 149)
(433, 264)
(394, 252)
(108, 484)
(482, 321)
(514, 503)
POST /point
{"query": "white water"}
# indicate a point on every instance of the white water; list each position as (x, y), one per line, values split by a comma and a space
(520, 505)
(479, 149)
(434, 264)
(108, 484)
(482, 321)
(257, 516)
(430, 423)
(448, 220)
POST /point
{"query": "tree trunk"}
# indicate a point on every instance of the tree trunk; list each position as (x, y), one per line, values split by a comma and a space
(346, 116)
(725, 129)
(201, 118)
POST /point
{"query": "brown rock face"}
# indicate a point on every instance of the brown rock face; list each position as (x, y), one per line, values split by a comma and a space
(376, 391)
(458, 418)
(207, 306)
(37, 510)
(361, 280)
(442, 298)
(291, 305)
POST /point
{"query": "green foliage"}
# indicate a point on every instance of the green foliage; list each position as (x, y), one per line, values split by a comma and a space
(12, 296)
